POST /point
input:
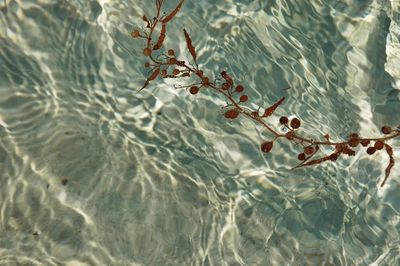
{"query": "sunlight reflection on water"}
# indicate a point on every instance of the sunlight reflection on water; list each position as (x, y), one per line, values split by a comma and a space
(161, 177)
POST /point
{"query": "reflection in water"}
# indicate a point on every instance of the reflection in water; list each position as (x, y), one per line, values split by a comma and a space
(93, 173)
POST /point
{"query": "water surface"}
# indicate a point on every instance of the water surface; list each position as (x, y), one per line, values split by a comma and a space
(93, 173)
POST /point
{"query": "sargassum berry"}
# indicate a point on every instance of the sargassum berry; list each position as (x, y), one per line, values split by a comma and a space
(266, 146)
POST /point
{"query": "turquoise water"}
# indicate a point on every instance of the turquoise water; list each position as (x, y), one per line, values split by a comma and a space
(93, 173)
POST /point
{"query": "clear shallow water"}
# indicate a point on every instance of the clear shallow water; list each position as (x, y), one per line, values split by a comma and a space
(161, 178)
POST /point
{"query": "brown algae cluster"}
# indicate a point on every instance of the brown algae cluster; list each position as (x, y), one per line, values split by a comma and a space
(166, 64)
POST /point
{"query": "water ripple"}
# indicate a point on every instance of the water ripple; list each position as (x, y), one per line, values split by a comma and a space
(94, 173)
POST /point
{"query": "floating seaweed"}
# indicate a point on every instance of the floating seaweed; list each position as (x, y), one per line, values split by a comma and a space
(167, 65)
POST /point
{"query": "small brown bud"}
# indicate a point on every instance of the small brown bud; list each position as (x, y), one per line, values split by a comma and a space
(283, 120)
(353, 142)
(301, 156)
(266, 146)
(194, 90)
(135, 33)
(308, 150)
(365, 142)
(147, 51)
(386, 130)
(172, 61)
(379, 145)
(333, 156)
(295, 123)
(371, 150)
(239, 88)
(244, 98)
(205, 81)
(231, 114)
(171, 52)
(348, 151)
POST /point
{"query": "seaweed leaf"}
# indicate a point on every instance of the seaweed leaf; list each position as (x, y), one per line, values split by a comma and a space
(389, 151)
(190, 46)
(152, 76)
(173, 13)
(159, 4)
(270, 110)
(147, 21)
(161, 37)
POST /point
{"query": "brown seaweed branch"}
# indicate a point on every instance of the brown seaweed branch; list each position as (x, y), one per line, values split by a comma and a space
(167, 65)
